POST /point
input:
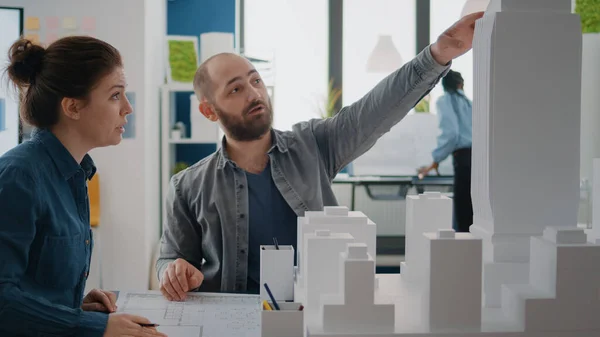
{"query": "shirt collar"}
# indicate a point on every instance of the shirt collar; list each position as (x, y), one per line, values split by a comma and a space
(62, 158)
(279, 142)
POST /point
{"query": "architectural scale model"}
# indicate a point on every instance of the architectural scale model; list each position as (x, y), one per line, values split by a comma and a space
(526, 269)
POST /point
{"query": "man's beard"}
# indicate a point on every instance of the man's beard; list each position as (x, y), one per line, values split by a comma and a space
(247, 128)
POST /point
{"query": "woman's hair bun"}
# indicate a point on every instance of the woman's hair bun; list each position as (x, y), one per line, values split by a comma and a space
(26, 60)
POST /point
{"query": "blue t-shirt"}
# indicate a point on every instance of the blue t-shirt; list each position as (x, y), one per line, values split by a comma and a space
(269, 216)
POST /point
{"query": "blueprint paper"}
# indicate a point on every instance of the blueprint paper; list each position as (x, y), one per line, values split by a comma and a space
(200, 315)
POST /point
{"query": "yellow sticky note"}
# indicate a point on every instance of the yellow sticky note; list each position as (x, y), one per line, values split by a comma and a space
(69, 23)
(34, 38)
(32, 23)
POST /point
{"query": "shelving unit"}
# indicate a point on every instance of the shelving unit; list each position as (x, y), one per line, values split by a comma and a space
(168, 146)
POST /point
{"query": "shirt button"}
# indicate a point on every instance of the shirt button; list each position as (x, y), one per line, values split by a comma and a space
(242, 216)
(87, 242)
(243, 251)
(241, 186)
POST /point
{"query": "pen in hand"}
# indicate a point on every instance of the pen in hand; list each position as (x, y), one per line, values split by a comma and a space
(148, 325)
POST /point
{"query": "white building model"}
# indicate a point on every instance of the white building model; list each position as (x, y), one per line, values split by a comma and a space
(525, 270)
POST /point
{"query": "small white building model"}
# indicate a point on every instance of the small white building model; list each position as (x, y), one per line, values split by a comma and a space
(354, 310)
(595, 232)
(451, 293)
(563, 293)
(428, 212)
(322, 267)
(336, 220)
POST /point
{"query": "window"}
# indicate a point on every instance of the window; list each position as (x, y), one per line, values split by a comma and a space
(365, 23)
(443, 14)
(294, 42)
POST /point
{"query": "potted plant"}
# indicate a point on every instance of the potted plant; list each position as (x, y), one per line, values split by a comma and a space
(423, 105)
(333, 96)
(179, 166)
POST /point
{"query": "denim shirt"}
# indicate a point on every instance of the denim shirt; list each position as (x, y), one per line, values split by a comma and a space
(207, 203)
(456, 124)
(45, 241)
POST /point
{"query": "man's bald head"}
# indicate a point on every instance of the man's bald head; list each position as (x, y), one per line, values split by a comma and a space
(203, 83)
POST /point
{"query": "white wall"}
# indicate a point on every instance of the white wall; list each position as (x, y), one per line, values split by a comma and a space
(129, 219)
(9, 32)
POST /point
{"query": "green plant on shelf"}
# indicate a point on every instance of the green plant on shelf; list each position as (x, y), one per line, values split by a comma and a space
(182, 59)
(179, 166)
(333, 96)
(589, 11)
(423, 105)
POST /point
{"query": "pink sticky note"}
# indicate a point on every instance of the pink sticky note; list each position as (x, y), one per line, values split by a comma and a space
(88, 23)
(52, 22)
(51, 37)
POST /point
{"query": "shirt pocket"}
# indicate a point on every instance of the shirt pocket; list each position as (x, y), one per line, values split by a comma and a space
(61, 263)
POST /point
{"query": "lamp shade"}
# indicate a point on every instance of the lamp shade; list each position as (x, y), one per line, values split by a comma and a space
(474, 6)
(385, 57)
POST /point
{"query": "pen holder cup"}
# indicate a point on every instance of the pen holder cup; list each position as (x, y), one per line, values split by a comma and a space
(277, 271)
(286, 322)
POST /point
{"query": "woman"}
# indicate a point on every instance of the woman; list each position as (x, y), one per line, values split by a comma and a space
(73, 93)
(455, 116)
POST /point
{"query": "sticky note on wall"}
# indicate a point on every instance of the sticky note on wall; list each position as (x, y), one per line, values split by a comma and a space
(88, 23)
(32, 23)
(69, 23)
(51, 37)
(34, 38)
(52, 23)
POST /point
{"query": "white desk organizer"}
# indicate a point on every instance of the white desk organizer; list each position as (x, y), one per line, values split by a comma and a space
(277, 270)
(286, 322)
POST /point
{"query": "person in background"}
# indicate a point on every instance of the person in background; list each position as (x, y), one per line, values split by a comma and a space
(73, 92)
(455, 120)
(221, 209)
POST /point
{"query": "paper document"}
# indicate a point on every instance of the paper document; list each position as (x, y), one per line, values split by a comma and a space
(200, 315)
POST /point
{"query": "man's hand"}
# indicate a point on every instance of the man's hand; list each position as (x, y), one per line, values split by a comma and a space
(423, 171)
(179, 278)
(100, 300)
(456, 40)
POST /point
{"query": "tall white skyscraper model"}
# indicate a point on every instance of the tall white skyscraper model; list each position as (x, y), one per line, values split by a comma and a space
(526, 132)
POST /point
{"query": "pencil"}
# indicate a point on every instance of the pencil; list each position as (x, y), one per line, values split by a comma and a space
(148, 325)
(266, 306)
(276, 243)
(272, 298)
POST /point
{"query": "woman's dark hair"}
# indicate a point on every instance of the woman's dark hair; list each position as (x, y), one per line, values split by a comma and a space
(452, 81)
(70, 67)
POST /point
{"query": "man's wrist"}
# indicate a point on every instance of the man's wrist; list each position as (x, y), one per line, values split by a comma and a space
(437, 55)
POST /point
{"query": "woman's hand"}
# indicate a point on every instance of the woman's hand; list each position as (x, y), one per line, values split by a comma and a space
(100, 300)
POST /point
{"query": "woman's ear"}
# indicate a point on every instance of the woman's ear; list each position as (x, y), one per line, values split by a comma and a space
(70, 108)
(208, 111)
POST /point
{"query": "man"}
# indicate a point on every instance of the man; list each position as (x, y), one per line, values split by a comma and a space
(221, 209)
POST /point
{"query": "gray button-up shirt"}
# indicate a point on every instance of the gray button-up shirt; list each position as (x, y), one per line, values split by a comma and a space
(207, 203)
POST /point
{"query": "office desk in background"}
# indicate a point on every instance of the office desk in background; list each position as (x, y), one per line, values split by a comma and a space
(382, 199)
(403, 182)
